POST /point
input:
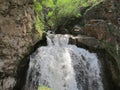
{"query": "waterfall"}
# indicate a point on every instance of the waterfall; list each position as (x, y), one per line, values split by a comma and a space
(62, 66)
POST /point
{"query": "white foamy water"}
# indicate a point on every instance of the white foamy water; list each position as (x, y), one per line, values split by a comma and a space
(61, 66)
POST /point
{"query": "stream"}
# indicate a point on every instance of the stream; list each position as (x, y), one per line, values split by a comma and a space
(62, 66)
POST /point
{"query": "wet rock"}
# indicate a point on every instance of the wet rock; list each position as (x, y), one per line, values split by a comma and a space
(62, 30)
(77, 30)
(74, 30)
(86, 42)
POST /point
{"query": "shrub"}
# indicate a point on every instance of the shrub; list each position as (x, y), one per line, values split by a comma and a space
(53, 13)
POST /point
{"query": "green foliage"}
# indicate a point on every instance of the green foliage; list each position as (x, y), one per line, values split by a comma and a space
(39, 25)
(52, 13)
(43, 88)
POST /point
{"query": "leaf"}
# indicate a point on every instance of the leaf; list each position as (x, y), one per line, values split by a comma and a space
(43, 88)
(50, 14)
(38, 6)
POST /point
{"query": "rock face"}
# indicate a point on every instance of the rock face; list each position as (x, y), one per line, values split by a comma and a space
(17, 35)
(90, 43)
(74, 30)
(103, 22)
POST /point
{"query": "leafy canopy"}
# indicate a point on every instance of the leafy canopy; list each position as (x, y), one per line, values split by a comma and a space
(52, 13)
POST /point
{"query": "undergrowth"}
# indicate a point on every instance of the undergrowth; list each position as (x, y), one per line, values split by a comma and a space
(52, 13)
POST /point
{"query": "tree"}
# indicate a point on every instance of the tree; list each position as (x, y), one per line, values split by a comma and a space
(52, 13)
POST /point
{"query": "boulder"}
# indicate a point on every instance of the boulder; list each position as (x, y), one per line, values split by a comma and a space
(85, 42)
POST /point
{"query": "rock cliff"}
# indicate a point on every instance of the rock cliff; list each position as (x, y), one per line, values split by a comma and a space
(102, 21)
(17, 36)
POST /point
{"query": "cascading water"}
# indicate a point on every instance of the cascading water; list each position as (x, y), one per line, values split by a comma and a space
(61, 66)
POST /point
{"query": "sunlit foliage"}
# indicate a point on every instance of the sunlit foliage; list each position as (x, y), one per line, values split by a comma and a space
(52, 13)
(43, 88)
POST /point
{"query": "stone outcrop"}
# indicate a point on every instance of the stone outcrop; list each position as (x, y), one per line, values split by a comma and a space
(90, 43)
(17, 35)
(103, 22)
